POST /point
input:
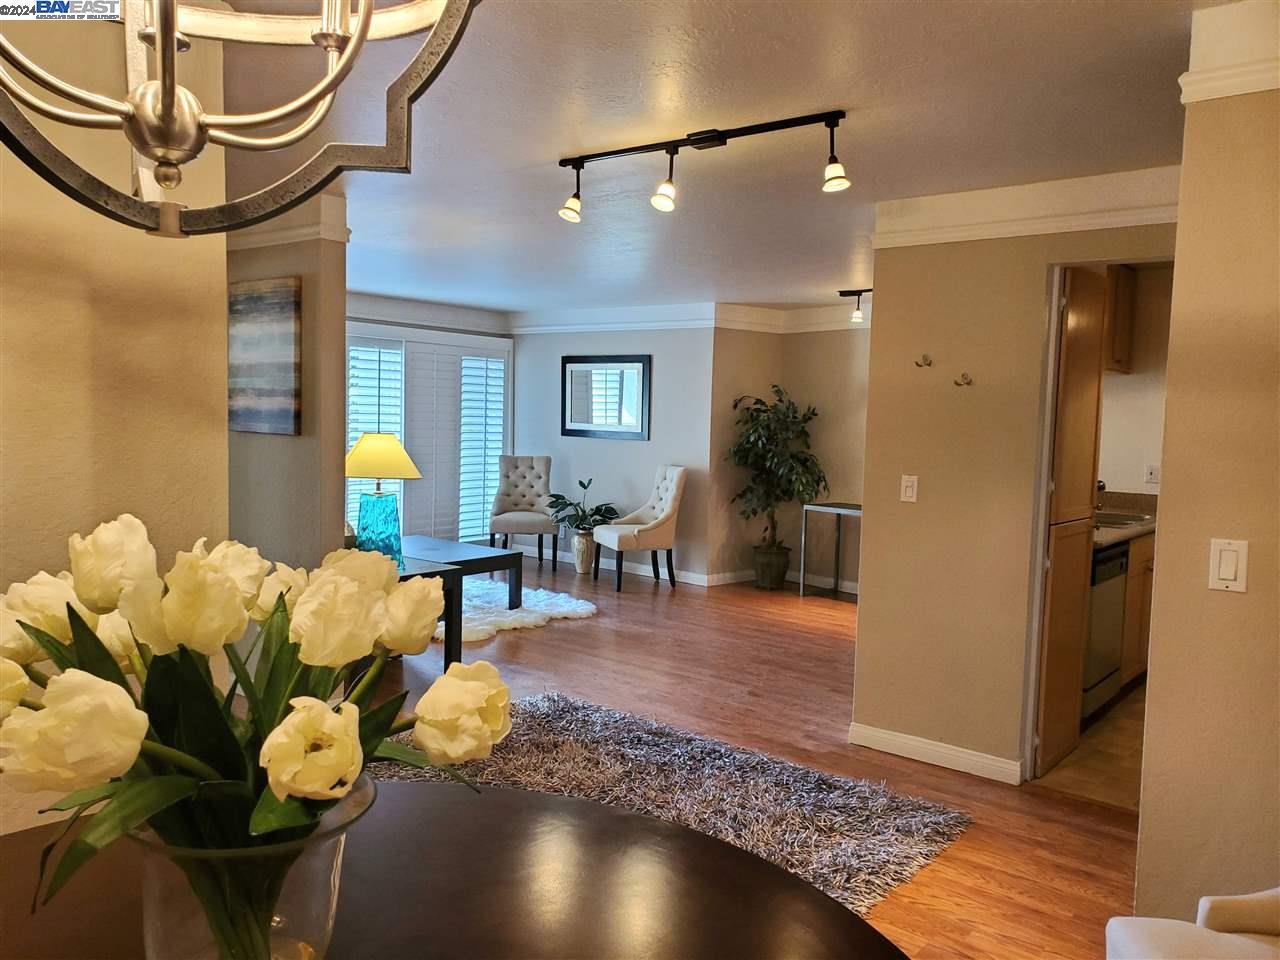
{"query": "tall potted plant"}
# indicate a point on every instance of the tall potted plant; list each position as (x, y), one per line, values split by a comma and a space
(773, 447)
(581, 519)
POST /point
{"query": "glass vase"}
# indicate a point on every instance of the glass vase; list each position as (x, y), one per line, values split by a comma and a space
(270, 902)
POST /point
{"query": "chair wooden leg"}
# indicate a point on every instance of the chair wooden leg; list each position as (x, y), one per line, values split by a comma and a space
(653, 555)
(595, 567)
(671, 569)
(617, 579)
(539, 549)
(493, 539)
(555, 550)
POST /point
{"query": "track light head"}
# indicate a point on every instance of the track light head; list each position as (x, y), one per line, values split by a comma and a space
(664, 198)
(572, 209)
(833, 177)
(856, 316)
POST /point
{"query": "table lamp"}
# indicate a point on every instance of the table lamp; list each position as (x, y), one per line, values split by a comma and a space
(380, 456)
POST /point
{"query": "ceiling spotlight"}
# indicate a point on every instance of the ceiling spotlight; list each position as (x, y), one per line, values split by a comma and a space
(856, 316)
(572, 209)
(833, 178)
(664, 198)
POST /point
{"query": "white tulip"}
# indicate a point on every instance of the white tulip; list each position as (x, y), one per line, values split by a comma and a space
(242, 564)
(286, 580)
(375, 571)
(15, 645)
(42, 603)
(463, 714)
(314, 752)
(412, 611)
(202, 609)
(13, 686)
(336, 621)
(113, 630)
(88, 732)
(115, 555)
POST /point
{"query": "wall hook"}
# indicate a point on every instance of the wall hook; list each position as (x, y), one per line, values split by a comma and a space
(964, 381)
(924, 361)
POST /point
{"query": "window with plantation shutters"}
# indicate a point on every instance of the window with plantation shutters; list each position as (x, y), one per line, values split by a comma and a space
(446, 396)
(375, 404)
(482, 439)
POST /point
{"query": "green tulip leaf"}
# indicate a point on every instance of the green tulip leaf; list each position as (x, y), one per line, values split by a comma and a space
(63, 657)
(391, 750)
(273, 636)
(133, 804)
(86, 797)
(376, 723)
(272, 814)
(91, 654)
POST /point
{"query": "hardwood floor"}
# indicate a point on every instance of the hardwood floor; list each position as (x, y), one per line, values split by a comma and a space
(1107, 765)
(1036, 875)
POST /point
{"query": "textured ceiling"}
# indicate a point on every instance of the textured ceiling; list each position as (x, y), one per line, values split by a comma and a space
(942, 96)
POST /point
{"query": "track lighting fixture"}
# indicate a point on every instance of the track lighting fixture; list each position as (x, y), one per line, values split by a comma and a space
(856, 316)
(572, 209)
(833, 178)
(664, 198)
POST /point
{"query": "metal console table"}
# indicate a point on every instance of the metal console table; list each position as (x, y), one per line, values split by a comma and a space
(839, 511)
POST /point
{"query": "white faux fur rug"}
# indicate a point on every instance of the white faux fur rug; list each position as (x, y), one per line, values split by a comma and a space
(484, 609)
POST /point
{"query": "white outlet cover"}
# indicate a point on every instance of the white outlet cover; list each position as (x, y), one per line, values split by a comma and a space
(1152, 474)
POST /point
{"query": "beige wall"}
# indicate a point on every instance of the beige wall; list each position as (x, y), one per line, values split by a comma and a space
(945, 583)
(113, 345)
(287, 493)
(1133, 403)
(680, 424)
(1210, 815)
(827, 369)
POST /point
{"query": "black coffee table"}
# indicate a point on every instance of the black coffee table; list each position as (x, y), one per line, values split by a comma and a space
(470, 558)
(436, 871)
(452, 613)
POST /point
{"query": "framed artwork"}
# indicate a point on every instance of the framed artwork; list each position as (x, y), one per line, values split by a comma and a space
(606, 397)
(264, 356)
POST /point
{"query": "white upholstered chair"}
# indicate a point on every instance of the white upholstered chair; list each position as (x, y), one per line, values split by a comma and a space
(652, 527)
(521, 503)
(1239, 928)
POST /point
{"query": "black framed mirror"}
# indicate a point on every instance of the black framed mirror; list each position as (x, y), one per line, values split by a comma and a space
(606, 397)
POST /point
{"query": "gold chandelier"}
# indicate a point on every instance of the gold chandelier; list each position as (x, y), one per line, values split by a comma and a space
(167, 127)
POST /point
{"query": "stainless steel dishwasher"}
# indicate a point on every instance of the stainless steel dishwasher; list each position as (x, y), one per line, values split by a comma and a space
(1106, 627)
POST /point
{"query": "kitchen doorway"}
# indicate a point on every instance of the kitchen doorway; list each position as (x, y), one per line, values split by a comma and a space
(1101, 506)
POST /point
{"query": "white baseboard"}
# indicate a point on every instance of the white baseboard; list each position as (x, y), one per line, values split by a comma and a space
(823, 583)
(936, 752)
(607, 563)
(734, 576)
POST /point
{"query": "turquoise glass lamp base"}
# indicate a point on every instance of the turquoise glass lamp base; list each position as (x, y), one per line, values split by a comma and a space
(379, 526)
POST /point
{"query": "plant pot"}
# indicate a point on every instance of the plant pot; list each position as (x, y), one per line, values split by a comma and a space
(584, 545)
(772, 564)
(271, 902)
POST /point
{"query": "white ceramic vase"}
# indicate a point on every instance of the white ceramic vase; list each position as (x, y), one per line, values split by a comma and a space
(583, 551)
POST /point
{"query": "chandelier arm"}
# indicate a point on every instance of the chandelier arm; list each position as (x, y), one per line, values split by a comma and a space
(314, 119)
(35, 72)
(400, 20)
(99, 121)
(330, 83)
(166, 19)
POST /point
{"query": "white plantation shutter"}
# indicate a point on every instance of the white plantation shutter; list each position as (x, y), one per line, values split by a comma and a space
(482, 439)
(606, 397)
(375, 404)
(446, 397)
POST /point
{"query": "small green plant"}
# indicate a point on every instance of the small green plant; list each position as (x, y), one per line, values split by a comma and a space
(773, 446)
(576, 515)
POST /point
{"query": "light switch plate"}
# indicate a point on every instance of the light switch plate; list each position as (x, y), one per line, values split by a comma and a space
(910, 488)
(1229, 565)
(1153, 473)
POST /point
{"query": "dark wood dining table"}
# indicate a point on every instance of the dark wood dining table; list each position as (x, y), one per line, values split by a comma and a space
(437, 871)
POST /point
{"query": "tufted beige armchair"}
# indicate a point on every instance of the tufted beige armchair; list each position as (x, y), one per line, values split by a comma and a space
(521, 503)
(652, 527)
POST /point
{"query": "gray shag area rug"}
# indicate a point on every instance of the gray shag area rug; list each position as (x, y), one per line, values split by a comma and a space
(853, 839)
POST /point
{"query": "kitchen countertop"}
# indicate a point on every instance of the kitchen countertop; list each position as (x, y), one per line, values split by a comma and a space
(1110, 536)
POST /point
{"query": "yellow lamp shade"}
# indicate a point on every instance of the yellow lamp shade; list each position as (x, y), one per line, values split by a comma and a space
(380, 456)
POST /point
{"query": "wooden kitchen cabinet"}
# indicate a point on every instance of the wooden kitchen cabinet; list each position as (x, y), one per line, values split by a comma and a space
(1117, 327)
(1137, 607)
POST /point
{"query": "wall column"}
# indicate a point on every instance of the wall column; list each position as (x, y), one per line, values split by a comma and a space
(287, 493)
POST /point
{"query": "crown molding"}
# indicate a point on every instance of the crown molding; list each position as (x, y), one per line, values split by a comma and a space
(1233, 51)
(1128, 199)
(325, 219)
(679, 316)
(1218, 82)
(424, 313)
